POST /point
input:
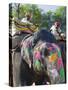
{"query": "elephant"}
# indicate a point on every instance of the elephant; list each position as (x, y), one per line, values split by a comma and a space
(43, 60)
(27, 74)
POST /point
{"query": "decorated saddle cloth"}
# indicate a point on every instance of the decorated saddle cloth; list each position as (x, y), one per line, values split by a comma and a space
(49, 55)
(21, 26)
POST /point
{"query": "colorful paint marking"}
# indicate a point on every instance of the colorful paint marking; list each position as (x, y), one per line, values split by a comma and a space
(62, 73)
(53, 57)
(37, 55)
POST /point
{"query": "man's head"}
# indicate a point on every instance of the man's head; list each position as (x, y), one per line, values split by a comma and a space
(57, 24)
(29, 16)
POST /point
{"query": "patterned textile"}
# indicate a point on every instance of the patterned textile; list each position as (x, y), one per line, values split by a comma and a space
(43, 55)
(21, 26)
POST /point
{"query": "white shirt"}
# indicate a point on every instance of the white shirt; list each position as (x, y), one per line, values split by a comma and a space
(55, 33)
(24, 20)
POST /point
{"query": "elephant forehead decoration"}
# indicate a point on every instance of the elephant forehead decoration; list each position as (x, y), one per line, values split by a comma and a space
(41, 52)
(46, 49)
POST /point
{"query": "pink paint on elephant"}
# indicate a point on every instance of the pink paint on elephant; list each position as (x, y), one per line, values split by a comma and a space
(59, 63)
(37, 55)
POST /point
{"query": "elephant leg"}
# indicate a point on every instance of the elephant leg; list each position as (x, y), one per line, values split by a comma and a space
(26, 74)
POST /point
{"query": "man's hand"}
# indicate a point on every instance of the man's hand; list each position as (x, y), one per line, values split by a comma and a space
(63, 36)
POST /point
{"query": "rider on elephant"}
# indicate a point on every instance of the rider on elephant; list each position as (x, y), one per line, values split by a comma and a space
(27, 20)
(25, 25)
(56, 31)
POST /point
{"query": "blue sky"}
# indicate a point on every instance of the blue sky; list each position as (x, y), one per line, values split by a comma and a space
(46, 8)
